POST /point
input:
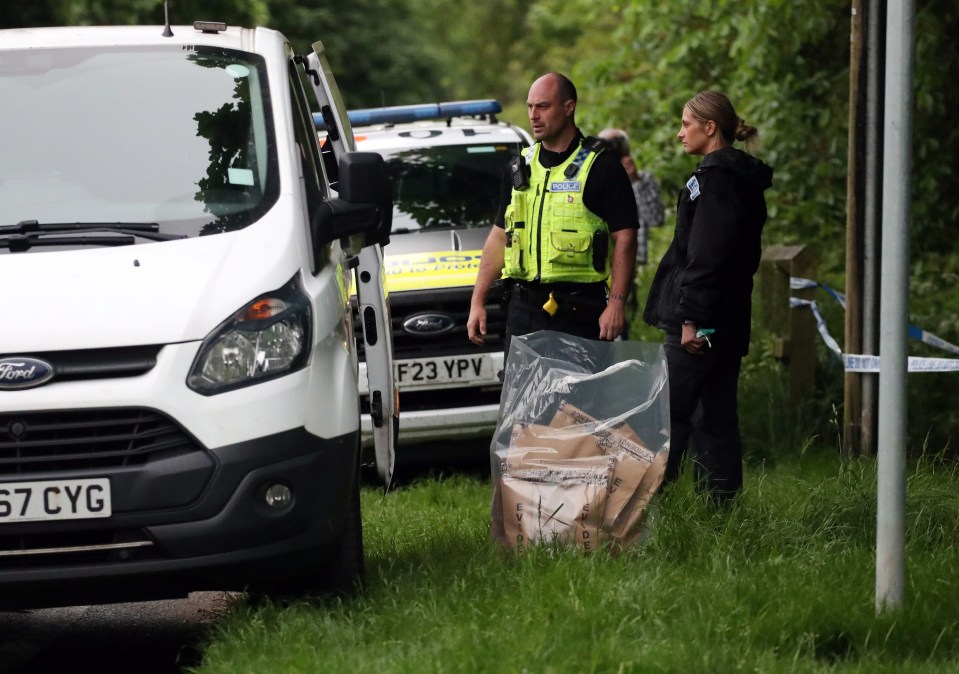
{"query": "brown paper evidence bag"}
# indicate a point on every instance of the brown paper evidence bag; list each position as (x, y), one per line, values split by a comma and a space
(576, 481)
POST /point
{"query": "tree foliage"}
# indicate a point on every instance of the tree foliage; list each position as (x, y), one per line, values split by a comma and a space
(376, 51)
(784, 66)
(479, 46)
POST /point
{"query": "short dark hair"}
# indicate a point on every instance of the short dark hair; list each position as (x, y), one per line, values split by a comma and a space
(567, 90)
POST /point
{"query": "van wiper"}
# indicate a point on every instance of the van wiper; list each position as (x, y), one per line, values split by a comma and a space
(146, 230)
(27, 234)
(18, 243)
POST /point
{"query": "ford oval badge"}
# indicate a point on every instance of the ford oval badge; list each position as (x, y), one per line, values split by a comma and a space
(17, 373)
(428, 324)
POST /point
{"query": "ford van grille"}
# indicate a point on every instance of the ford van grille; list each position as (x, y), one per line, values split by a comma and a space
(128, 361)
(433, 323)
(70, 440)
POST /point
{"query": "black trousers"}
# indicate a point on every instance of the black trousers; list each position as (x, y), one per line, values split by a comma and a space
(578, 311)
(703, 408)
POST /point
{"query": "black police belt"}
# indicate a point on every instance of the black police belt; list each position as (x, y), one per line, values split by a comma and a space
(563, 292)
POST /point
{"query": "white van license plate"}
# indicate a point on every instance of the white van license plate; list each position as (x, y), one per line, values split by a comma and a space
(54, 500)
(444, 370)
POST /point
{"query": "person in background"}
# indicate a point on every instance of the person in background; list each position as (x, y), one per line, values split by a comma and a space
(645, 190)
(565, 239)
(649, 206)
(701, 293)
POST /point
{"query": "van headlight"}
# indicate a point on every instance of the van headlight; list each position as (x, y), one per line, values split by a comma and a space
(267, 338)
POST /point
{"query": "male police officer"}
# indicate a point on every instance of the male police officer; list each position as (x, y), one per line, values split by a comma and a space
(566, 240)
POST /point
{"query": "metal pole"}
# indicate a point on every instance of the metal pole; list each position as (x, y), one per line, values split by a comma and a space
(893, 369)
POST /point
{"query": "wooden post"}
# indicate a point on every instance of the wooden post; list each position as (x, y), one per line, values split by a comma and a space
(793, 330)
(855, 188)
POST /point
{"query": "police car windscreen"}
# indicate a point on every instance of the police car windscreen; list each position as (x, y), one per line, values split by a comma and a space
(447, 186)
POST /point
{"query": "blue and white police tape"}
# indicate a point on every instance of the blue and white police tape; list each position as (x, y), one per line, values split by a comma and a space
(797, 283)
(869, 363)
(914, 332)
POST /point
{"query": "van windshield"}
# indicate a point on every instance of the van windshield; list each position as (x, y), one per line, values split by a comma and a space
(178, 136)
(448, 185)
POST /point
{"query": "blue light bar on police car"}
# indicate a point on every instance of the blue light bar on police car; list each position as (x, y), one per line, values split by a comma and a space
(400, 114)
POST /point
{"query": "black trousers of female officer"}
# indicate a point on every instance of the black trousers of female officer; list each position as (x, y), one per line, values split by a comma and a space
(703, 408)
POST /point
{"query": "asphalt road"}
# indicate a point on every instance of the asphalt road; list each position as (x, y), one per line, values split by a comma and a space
(141, 638)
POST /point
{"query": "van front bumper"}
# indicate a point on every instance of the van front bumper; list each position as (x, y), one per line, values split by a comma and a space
(197, 520)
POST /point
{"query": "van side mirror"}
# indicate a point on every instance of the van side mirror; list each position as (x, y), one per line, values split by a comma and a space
(364, 204)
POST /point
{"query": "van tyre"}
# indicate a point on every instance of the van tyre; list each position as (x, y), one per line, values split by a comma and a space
(340, 576)
(343, 575)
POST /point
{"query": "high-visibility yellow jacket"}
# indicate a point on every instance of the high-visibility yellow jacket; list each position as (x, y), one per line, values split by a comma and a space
(550, 234)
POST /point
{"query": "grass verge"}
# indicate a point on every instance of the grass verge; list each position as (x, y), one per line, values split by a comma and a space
(782, 582)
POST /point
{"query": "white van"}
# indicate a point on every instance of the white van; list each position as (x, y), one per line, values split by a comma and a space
(179, 392)
(446, 163)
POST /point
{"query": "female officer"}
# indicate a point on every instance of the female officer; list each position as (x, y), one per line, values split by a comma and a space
(701, 293)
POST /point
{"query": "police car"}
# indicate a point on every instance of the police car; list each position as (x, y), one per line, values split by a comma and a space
(446, 163)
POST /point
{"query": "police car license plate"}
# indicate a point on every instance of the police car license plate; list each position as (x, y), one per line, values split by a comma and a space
(54, 500)
(445, 370)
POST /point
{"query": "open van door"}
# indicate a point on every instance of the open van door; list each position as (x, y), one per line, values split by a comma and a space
(364, 207)
(378, 339)
(337, 122)
(363, 180)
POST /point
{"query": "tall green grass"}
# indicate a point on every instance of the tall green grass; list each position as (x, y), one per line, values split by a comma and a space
(781, 582)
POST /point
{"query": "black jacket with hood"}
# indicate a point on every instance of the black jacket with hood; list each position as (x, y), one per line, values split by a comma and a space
(706, 275)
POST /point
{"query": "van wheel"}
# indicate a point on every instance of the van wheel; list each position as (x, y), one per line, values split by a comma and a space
(344, 573)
